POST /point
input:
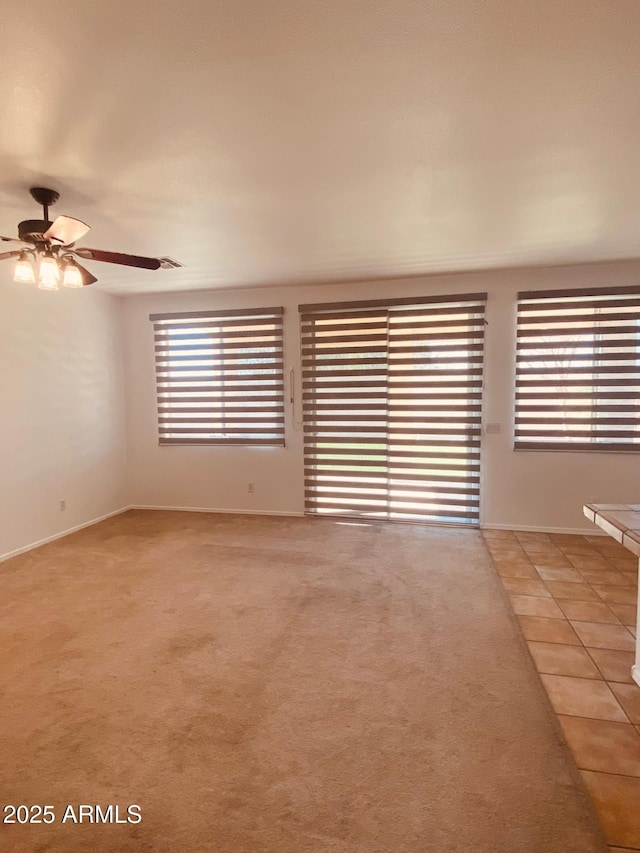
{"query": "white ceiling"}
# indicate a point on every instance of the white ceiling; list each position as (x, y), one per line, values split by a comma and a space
(265, 141)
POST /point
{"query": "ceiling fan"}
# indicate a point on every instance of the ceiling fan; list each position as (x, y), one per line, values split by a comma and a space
(48, 254)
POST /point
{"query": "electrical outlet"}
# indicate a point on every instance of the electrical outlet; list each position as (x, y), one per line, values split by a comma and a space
(252, 488)
(63, 506)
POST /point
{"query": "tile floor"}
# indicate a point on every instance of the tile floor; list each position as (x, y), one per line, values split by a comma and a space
(576, 599)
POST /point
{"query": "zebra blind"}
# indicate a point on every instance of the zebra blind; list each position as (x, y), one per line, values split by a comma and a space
(578, 370)
(220, 377)
(392, 395)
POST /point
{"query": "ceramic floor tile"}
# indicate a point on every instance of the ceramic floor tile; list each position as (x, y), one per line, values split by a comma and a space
(557, 659)
(578, 549)
(584, 563)
(511, 558)
(548, 630)
(626, 613)
(606, 578)
(498, 545)
(574, 591)
(582, 697)
(559, 561)
(525, 586)
(498, 534)
(616, 800)
(614, 665)
(614, 558)
(594, 539)
(613, 548)
(627, 564)
(589, 611)
(609, 559)
(530, 605)
(586, 551)
(603, 745)
(589, 579)
(571, 538)
(510, 553)
(599, 636)
(544, 553)
(532, 536)
(551, 573)
(629, 561)
(511, 569)
(617, 594)
(506, 557)
(610, 548)
(628, 695)
(630, 558)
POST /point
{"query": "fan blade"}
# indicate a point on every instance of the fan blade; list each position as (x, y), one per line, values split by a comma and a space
(66, 230)
(87, 277)
(118, 258)
(13, 240)
(14, 254)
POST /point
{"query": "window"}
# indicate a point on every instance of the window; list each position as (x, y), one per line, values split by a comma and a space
(219, 377)
(392, 394)
(578, 370)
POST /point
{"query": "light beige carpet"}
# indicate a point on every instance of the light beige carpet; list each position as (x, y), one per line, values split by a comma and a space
(282, 685)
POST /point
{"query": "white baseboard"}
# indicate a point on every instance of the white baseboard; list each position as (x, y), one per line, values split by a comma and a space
(32, 545)
(524, 527)
(60, 535)
(635, 673)
(216, 510)
(532, 528)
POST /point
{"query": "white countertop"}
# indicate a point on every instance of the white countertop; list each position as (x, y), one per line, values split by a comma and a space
(620, 521)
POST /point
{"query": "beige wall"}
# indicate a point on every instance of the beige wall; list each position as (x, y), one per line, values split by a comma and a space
(525, 489)
(62, 422)
(64, 359)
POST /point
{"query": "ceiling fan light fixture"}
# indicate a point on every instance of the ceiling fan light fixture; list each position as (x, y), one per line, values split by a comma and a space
(48, 272)
(49, 256)
(24, 272)
(71, 275)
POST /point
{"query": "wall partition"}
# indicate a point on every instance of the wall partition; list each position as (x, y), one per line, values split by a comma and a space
(392, 403)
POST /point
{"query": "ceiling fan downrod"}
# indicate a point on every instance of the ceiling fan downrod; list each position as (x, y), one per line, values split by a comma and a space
(45, 197)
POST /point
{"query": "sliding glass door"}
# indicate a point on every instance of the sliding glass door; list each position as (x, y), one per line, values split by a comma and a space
(392, 395)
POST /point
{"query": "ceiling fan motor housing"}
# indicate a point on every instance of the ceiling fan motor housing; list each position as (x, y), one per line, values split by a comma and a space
(33, 230)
